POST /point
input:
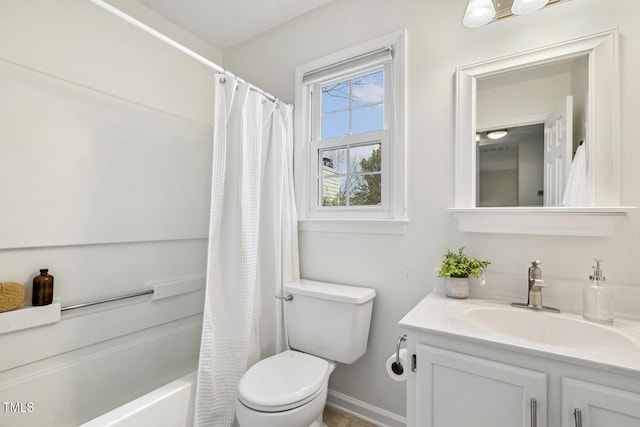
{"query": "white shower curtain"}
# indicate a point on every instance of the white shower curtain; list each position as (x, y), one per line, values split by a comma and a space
(253, 246)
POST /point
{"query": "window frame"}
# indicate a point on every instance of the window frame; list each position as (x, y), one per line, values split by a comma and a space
(390, 216)
(352, 140)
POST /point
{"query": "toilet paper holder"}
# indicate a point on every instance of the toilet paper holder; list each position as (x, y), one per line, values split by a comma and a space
(396, 366)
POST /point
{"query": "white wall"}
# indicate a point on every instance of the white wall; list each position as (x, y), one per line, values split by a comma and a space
(530, 172)
(498, 188)
(579, 88)
(400, 268)
(531, 96)
(106, 147)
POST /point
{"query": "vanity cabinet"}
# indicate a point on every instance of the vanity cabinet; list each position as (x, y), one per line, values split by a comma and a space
(456, 389)
(587, 404)
(460, 383)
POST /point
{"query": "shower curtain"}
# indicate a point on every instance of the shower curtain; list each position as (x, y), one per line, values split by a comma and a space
(253, 246)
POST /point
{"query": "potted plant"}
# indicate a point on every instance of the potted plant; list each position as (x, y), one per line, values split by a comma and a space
(456, 268)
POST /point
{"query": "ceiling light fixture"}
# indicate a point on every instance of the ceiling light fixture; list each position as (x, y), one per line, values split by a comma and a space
(482, 12)
(497, 134)
(478, 13)
(522, 7)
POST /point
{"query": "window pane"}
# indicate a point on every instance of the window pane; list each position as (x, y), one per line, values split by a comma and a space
(333, 191)
(368, 89)
(333, 161)
(365, 158)
(366, 190)
(335, 97)
(368, 119)
(335, 125)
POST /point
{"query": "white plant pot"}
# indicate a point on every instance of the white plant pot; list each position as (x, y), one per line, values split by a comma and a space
(456, 287)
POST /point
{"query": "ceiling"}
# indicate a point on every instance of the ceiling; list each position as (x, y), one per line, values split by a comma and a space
(226, 23)
(516, 135)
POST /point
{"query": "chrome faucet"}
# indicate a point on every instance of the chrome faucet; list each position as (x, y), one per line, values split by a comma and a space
(534, 294)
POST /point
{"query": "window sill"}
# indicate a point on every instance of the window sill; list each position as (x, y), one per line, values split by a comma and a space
(596, 221)
(361, 226)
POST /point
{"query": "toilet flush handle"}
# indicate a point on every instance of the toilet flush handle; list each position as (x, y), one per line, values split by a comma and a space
(287, 297)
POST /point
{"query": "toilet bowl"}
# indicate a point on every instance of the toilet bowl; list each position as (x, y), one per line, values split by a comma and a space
(285, 390)
(325, 322)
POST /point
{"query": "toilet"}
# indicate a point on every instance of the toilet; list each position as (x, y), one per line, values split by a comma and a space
(326, 324)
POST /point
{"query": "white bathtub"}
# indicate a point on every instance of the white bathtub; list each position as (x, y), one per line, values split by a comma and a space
(168, 406)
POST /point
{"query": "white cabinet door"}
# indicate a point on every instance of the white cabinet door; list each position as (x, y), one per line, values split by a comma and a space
(458, 390)
(599, 406)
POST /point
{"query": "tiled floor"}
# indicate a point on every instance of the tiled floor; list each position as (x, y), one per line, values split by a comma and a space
(334, 418)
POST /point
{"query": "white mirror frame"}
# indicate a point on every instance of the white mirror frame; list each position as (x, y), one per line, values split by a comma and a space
(602, 129)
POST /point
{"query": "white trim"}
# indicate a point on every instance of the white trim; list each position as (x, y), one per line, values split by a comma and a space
(598, 222)
(360, 226)
(521, 121)
(372, 414)
(305, 190)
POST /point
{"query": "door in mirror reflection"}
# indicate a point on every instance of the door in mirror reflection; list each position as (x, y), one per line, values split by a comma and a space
(557, 152)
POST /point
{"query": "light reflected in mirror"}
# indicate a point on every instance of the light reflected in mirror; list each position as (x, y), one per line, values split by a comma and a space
(543, 110)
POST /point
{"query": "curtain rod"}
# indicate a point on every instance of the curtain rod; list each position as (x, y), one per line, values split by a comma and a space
(144, 27)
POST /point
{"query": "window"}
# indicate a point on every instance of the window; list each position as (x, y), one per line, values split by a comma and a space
(349, 136)
(348, 147)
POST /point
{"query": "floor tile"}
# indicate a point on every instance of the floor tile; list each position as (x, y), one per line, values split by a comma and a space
(335, 418)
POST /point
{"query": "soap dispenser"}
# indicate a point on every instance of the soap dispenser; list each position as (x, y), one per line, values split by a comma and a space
(597, 298)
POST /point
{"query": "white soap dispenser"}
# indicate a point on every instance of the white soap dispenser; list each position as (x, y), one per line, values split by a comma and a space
(597, 298)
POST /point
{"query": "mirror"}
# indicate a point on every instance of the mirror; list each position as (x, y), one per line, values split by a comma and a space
(575, 80)
(515, 111)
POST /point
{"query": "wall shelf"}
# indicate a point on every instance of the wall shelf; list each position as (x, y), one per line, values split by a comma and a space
(599, 222)
(29, 317)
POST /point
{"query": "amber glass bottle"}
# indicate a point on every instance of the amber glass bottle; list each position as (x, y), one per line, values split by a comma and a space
(42, 288)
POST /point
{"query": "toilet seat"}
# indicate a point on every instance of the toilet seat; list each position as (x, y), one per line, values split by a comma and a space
(283, 382)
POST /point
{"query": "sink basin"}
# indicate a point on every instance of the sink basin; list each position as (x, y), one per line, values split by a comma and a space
(551, 329)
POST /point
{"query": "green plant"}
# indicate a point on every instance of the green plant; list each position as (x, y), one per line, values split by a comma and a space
(457, 264)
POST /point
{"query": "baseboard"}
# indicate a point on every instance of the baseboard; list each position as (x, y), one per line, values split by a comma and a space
(372, 414)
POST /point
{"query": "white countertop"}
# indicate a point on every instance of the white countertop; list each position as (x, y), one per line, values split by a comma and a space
(444, 316)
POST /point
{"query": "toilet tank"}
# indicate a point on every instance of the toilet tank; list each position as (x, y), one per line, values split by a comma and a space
(328, 320)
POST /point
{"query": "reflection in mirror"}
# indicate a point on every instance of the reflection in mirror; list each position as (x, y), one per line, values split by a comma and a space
(571, 88)
(510, 168)
(519, 169)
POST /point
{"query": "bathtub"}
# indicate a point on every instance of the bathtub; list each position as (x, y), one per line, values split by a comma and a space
(170, 406)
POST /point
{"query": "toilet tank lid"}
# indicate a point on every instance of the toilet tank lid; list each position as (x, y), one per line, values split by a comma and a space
(330, 291)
